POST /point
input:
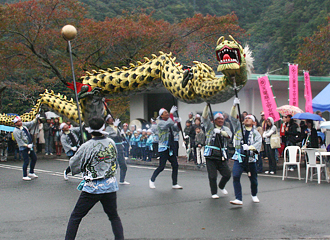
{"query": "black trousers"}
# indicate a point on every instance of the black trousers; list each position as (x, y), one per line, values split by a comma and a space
(85, 203)
(164, 156)
(270, 153)
(212, 167)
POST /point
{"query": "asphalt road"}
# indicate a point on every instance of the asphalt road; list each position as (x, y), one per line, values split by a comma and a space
(40, 209)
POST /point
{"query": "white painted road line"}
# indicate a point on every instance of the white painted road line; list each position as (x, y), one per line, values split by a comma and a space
(152, 168)
(37, 170)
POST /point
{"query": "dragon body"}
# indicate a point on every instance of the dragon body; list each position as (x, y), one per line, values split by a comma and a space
(197, 84)
(162, 70)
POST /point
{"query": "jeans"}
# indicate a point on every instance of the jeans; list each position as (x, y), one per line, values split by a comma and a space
(126, 149)
(164, 156)
(259, 163)
(122, 164)
(238, 169)
(85, 203)
(3, 154)
(212, 167)
(49, 142)
(17, 151)
(26, 153)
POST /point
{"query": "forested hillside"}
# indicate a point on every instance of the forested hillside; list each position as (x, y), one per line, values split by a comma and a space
(282, 27)
(114, 33)
(274, 28)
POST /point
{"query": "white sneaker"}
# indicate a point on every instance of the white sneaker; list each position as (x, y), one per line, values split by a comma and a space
(151, 184)
(215, 196)
(255, 199)
(271, 172)
(224, 191)
(291, 169)
(46, 154)
(177, 186)
(266, 172)
(51, 154)
(126, 158)
(124, 183)
(32, 175)
(236, 202)
(26, 178)
(65, 176)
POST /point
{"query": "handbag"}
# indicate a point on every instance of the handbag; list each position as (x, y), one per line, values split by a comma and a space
(275, 141)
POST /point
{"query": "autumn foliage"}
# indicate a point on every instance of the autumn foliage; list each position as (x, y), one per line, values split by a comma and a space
(314, 54)
(34, 56)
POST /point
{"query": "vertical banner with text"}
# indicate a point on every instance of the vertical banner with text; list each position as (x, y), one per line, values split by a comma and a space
(267, 98)
(308, 93)
(293, 85)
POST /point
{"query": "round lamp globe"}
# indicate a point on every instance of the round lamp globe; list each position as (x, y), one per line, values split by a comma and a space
(69, 32)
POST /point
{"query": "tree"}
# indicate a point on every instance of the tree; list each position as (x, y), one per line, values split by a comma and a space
(137, 35)
(30, 37)
(34, 55)
(282, 27)
(314, 53)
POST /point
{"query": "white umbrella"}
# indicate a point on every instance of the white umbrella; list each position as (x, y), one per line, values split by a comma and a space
(325, 125)
(50, 115)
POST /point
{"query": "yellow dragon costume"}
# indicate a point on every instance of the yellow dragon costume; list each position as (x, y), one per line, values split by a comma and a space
(195, 85)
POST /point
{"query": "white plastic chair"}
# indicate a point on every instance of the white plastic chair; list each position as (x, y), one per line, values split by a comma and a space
(291, 159)
(311, 163)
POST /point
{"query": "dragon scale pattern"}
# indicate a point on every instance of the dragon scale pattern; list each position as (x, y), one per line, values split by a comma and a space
(202, 85)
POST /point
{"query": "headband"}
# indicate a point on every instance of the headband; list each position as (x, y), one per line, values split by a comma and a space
(218, 115)
(62, 125)
(90, 130)
(107, 117)
(251, 117)
(16, 119)
(161, 111)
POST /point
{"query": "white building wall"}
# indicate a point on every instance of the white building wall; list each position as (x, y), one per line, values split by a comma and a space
(138, 107)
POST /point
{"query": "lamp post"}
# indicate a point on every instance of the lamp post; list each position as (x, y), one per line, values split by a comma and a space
(69, 32)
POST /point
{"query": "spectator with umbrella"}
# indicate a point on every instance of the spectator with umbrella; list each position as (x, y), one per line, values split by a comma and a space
(311, 140)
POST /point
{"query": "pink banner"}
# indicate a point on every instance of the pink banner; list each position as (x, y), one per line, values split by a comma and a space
(308, 93)
(267, 98)
(293, 85)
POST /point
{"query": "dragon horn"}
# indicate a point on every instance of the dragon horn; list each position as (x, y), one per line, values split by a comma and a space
(220, 39)
(232, 38)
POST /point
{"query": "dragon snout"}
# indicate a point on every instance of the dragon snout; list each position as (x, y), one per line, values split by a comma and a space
(228, 55)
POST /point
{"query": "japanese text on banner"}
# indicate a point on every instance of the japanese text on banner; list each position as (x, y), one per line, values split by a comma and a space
(267, 98)
(308, 93)
(293, 85)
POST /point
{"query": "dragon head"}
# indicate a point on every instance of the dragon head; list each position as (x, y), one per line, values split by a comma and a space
(231, 56)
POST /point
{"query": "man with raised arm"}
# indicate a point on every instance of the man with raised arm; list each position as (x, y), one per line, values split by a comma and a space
(25, 144)
(96, 160)
(114, 133)
(166, 146)
(247, 146)
(70, 143)
(217, 137)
